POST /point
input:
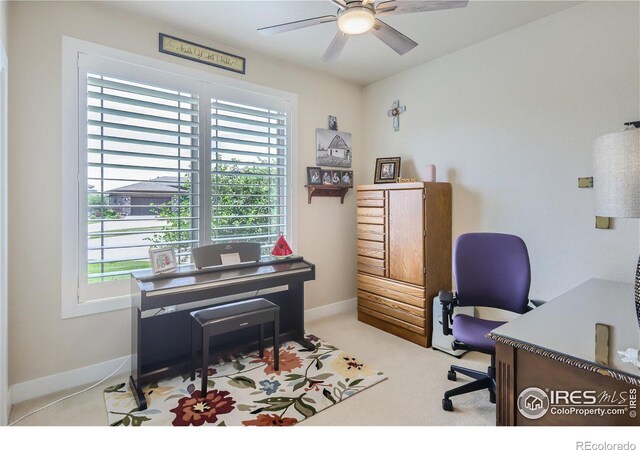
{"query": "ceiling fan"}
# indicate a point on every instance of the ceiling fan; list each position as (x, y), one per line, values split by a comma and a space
(360, 16)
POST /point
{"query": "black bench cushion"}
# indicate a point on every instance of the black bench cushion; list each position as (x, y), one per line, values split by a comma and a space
(221, 312)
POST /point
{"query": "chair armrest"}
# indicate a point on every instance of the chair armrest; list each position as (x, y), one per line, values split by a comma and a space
(445, 297)
(448, 302)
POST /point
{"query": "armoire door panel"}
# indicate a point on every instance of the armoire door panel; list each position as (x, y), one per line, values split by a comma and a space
(405, 212)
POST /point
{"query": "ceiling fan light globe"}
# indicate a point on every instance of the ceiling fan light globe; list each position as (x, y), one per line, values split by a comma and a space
(356, 20)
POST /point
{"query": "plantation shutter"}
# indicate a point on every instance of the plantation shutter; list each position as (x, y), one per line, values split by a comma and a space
(171, 159)
(141, 174)
(249, 163)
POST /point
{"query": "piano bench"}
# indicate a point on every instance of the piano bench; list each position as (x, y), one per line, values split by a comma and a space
(222, 319)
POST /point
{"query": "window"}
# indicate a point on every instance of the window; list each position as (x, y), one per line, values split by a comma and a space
(248, 174)
(166, 159)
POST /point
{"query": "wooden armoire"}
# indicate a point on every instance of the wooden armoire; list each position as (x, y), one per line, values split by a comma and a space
(404, 255)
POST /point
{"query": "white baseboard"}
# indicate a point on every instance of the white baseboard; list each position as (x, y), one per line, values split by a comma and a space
(31, 389)
(78, 377)
(345, 306)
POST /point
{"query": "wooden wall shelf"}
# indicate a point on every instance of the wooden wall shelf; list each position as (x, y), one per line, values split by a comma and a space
(327, 191)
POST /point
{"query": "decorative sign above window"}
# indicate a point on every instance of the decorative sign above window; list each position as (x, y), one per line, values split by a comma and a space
(200, 53)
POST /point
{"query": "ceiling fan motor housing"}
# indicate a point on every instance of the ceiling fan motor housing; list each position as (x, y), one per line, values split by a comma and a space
(356, 18)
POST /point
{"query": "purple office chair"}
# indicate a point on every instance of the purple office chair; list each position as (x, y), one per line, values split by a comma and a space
(491, 270)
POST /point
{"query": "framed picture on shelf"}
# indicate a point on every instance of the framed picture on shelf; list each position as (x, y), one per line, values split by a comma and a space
(313, 176)
(347, 178)
(326, 177)
(387, 170)
(336, 176)
(163, 259)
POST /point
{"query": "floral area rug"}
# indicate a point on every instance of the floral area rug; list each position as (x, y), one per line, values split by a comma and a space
(249, 391)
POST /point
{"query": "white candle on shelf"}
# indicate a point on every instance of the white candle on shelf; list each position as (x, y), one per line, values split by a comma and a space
(429, 173)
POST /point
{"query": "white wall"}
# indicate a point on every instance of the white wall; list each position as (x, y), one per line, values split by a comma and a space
(41, 343)
(510, 123)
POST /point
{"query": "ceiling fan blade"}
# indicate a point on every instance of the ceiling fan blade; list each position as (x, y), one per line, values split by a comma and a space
(268, 31)
(392, 37)
(336, 46)
(366, 2)
(392, 7)
(339, 3)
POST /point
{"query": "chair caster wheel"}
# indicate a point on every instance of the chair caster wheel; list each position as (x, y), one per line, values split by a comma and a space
(451, 375)
(492, 397)
(447, 405)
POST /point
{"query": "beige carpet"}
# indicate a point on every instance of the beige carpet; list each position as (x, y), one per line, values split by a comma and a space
(411, 395)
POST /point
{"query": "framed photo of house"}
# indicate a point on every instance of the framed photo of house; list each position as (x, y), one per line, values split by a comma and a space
(387, 170)
(333, 148)
(163, 259)
(314, 175)
(347, 178)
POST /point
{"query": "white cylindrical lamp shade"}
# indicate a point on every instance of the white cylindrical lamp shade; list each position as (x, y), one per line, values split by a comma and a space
(616, 176)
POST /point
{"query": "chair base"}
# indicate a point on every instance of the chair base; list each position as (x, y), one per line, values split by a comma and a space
(482, 380)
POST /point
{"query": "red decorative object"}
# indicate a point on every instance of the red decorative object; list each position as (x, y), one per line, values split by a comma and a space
(281, 249)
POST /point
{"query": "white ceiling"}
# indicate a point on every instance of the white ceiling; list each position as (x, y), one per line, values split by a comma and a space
(365, 59)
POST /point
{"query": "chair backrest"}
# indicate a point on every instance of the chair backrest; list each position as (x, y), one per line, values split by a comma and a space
(493, 270)
(209, 255)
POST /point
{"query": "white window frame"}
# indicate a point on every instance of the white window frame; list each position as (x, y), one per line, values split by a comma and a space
(72, 144)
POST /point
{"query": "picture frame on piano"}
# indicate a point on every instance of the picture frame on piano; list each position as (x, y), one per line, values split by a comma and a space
(163, 259)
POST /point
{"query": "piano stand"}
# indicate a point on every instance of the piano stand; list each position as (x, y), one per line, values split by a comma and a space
(138, 395)
(161, 344)
(307, 344)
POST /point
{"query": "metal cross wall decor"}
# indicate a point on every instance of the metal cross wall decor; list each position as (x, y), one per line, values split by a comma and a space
(395, 112)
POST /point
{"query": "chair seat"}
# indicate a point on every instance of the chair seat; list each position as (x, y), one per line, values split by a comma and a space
(472, 330)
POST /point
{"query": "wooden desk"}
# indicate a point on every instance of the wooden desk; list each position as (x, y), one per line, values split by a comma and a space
(161, 345)
(553, 349)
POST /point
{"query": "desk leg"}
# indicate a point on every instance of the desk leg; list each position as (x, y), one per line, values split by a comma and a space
(505, 381)
(296, 294)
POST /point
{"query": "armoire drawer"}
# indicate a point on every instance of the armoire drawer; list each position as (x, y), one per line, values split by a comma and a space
(367, 212)
(399, 310)
(394, 290)
(370, 232)
(370, 249)
(373, 266)
(373, 220)
(364, 195)
(392, 320)
(379, 203)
